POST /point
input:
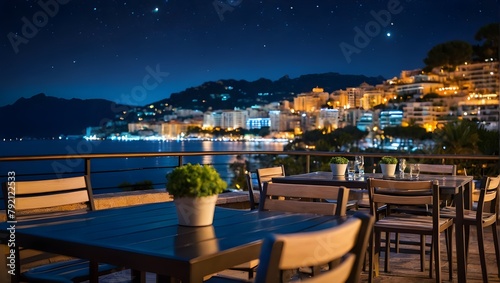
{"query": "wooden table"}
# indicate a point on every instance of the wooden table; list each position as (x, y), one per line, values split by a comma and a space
(148, 238)
(458, 186)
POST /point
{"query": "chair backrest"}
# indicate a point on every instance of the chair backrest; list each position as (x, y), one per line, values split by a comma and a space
(346, 242)
(41, 199)
(488, 195)
(406, 193)
(437, 169)
(35, 197)
(266, 174)
(254, 203)
(304, 198)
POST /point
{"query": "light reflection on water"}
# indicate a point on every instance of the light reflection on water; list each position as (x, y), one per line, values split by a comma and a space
(148, 168)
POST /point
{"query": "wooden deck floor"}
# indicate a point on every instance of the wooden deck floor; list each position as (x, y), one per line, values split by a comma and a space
(405, 267)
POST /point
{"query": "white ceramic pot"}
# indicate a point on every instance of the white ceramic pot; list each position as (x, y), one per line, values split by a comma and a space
(388, 170)
(338, 169)
(195, 211)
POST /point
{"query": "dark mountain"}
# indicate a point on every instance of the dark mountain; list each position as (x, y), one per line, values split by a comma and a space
(44, 116)
(227, 94)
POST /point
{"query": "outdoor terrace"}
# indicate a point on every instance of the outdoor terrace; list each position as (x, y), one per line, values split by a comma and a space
(405, 266)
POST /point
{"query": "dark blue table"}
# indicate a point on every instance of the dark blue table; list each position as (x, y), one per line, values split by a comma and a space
(147, 237)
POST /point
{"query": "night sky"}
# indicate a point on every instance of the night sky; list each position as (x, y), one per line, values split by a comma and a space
(141, 51)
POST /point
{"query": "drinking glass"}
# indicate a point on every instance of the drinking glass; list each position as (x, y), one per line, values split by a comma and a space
(351, 169)
(402, 167)
(414, 171)
(360, 164)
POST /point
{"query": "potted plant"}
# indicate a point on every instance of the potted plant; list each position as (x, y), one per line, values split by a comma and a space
(338, 165)
(388, 166)
(195, 189)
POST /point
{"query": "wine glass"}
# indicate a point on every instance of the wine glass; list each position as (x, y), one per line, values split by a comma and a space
(351, 169)
(402, 167)
(414, 171)
(360, 163)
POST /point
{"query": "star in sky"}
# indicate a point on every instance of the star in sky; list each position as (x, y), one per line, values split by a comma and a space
(102, 48)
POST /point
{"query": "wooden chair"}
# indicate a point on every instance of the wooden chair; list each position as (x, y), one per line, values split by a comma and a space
(304, 198)
(345, 244)
(408, 193)
(266, 174)
(437, 169)
(434, 169)
(43, 199)
(485, 215)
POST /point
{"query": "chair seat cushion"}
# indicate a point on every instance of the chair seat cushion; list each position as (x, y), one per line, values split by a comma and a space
(413, 223)
(65, 271)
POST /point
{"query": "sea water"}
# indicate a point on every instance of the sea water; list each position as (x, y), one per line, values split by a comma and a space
(107, 174)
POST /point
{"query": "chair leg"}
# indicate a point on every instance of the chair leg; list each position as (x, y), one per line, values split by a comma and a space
(482, 254)
(449, 250)
(431, 258)
(497, 249)
(374, 256)
(437, 257)
(396, 240)
(467, 236)
(422, 253)
(387, 251)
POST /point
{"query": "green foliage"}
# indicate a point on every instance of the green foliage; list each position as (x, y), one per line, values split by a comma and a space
(430, 96)
(489, 36)
(239, 168)
(194, 180)
(448, 55)
(458, 137)
(339, 160)
(488, 141)
(293, 164)
(388, 160)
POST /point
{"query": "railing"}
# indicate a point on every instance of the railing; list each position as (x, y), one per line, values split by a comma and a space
(303, 161)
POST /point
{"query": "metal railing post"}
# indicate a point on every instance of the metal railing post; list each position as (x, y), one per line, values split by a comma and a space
(308, 163)
(179, 162)
(87, 166)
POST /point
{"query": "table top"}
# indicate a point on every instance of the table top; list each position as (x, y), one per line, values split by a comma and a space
(148, 237)
(446, 182)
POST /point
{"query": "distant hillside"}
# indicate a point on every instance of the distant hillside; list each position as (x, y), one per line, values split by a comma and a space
(227, 94)
(44, 116)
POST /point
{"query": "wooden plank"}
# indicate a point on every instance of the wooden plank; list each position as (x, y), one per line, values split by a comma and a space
(53, 185)
(402, 200)
(34, 202)
(443, 169)
(301, 206)
(297, 248)
(306, 191)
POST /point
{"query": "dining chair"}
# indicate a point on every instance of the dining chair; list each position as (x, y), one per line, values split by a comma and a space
(407, 193)
(304, 198)
(485, 215)
(344, 244)
(433, 169)
(266, 174)
(43, 199)
(437, 169)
